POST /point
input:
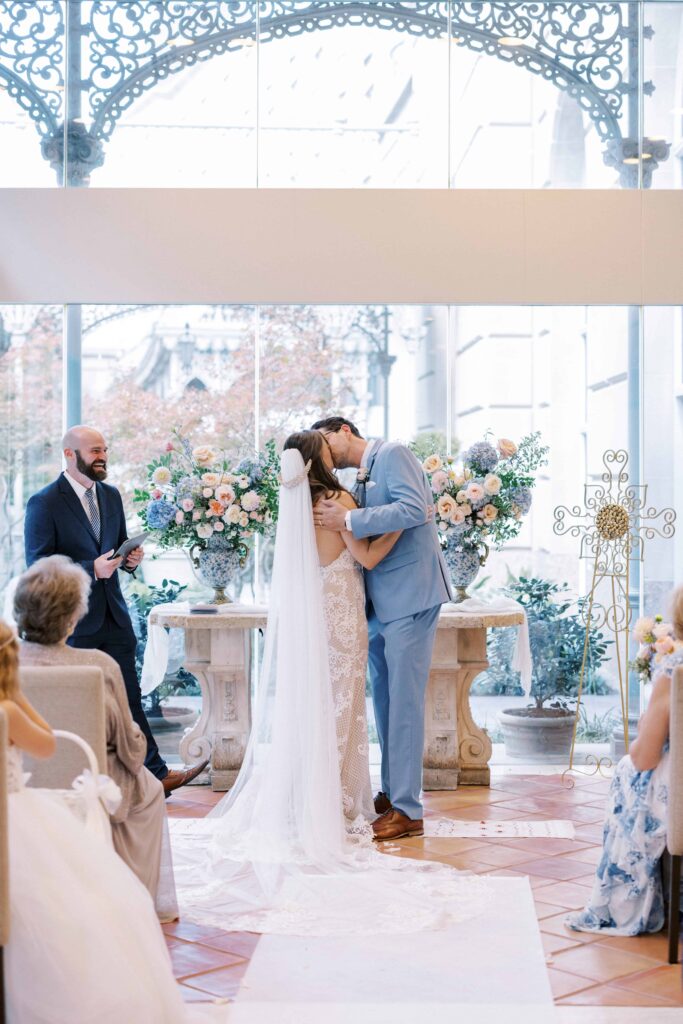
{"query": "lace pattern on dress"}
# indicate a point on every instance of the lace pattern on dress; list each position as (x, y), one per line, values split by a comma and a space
(347, 637)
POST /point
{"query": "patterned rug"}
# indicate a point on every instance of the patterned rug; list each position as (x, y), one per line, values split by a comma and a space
(448, 828)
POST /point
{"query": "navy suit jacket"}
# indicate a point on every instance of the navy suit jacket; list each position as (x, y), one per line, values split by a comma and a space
(56, 524)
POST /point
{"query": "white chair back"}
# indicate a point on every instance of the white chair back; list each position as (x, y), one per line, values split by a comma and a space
(70, 699)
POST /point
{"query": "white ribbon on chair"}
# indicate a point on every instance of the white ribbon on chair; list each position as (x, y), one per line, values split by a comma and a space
(98, 794)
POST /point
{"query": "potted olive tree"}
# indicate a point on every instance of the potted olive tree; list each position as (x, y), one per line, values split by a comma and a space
(543, 730)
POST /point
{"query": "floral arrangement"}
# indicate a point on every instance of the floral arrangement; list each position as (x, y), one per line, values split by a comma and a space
(480, 501)
(657, 641)
(194, 494)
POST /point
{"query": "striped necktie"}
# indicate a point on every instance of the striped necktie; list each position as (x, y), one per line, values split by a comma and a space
(93, 511)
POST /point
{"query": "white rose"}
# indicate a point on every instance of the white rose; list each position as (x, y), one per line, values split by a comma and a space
(161, 476)
(208, 492)
(232, 516)
(204, 530)
(243, 481)
(250, 501)
(211, 479)
(432, 463)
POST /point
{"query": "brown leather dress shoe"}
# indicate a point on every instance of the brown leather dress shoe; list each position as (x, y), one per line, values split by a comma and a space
(175, 779)
(382, 803)
(396, 825)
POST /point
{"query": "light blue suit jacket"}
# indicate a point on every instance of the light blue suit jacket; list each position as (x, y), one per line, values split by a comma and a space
(413, 576)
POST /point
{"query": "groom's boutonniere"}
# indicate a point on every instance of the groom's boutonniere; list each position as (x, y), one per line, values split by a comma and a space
(362, 474)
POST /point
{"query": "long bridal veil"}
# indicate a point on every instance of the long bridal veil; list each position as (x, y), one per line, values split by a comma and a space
(274, 855)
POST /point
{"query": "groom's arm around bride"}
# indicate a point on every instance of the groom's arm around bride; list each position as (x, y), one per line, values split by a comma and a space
(405, 592)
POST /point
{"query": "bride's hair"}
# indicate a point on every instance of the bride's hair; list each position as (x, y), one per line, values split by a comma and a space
(9, 663)
(321, 479)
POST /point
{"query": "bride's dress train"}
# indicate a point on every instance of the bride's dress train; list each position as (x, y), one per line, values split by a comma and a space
(278, 854)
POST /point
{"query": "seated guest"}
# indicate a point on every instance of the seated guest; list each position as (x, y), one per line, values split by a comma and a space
(84, 942)
(49, 600)
(627, 892)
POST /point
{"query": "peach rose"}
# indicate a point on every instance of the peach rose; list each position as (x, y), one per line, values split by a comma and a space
(446, 506)
(461, 496)
(665, 645)
(432, 463)
(232, 516)
(489, 513)
(506, 448)
(492, 483)
(474, 492)
(216, 508)
(211, 479)
(204, 456)
(225, 494)
(458, 516)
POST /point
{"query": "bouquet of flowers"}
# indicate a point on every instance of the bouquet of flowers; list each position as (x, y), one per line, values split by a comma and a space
(657, 641)
(481, 500)
(194, 494)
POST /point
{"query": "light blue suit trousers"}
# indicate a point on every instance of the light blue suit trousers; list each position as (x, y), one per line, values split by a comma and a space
(405, 592)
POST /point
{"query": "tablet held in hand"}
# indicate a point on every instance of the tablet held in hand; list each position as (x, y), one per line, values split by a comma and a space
(128, 546)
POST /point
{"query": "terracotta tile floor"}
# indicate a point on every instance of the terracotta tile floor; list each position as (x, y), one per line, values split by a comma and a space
(584, 969)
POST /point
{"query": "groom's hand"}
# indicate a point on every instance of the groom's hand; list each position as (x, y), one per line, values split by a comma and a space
(330, 515)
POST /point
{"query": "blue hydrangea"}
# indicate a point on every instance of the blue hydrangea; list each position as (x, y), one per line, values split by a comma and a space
(253, 468)
(160, 513)
(521, 496)
(482, 455)
(186, 487)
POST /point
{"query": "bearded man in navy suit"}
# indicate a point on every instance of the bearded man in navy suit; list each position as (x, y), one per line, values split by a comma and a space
(80, 516)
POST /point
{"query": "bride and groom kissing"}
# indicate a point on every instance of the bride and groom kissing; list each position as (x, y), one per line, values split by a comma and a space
(387, 619)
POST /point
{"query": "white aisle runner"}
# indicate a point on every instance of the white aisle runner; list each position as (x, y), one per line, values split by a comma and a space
(488, 970)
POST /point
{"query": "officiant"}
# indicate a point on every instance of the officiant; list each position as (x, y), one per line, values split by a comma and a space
(82, 517)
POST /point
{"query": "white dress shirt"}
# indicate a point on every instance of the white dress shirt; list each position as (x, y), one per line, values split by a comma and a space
(363, 463)
(80, 493)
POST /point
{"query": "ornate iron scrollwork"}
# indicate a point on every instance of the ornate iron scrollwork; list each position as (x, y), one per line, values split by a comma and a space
(127, 48)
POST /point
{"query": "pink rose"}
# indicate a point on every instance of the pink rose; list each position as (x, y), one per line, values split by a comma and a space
(187, 504)
(475, 492)
(218, 525)
(179, 517)
(156, 493)
(169, 446)
(439, 481)
(665, 645)
(489, 513)
(196, 515)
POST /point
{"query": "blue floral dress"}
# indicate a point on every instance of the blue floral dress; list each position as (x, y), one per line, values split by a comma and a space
(627, 892)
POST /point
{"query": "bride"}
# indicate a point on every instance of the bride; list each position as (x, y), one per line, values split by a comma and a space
(289, 849)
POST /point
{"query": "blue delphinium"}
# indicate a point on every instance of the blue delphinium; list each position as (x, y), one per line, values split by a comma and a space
(521, 497)
(160, 513)
(482, 455)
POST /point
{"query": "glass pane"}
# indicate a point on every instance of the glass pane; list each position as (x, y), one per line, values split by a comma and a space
(663, 100)
(169, 98)
(31, 94)
(352, 100)
(30, 419)
(543, 95)
(564, 372)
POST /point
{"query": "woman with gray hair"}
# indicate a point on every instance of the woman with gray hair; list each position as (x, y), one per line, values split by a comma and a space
(49, 600)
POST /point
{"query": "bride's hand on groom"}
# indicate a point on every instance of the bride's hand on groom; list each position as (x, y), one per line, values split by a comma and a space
(330, 515)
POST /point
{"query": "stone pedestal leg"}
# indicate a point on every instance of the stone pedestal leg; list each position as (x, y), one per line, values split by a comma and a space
(221, 661)
(474, 747)
(440, 765)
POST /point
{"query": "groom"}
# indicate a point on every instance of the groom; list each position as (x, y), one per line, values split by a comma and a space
(405, 592)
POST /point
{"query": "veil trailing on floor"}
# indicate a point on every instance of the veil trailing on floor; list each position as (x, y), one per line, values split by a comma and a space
(274, 855)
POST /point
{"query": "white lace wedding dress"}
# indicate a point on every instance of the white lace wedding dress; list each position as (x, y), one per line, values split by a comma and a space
(289, 849)
(85, 944)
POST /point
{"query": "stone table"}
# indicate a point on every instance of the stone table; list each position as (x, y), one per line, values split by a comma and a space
(218, 651)
(456, 750)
